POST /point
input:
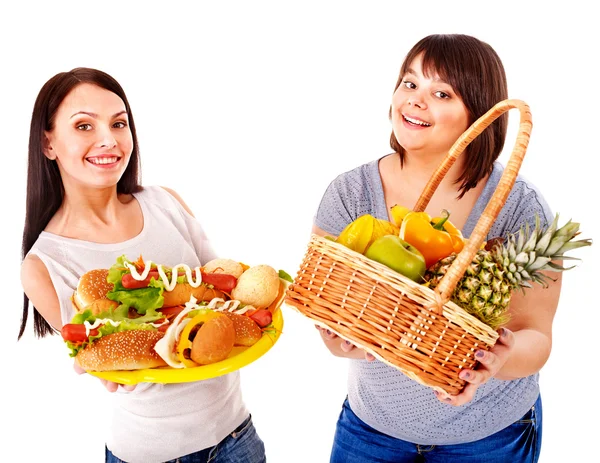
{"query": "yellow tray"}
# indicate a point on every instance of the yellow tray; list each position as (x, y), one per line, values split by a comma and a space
(239, 357)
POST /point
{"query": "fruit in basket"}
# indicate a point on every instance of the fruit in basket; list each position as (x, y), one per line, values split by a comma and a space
(398, 213)
(436, 238)
(398, 255)
(486, 287)
(359, 234)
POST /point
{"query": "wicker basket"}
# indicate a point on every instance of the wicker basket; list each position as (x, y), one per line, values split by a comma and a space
(402, 323)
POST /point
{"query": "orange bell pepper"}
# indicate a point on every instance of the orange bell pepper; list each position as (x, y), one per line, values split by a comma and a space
(435, 238)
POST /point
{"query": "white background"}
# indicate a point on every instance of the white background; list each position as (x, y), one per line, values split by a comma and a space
(249, 110)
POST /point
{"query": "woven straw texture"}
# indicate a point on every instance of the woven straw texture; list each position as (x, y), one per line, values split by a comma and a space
(402, 323)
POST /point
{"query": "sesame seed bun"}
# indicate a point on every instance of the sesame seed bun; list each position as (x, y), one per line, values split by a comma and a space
(247, 332)
(125, 350)
(91, 292)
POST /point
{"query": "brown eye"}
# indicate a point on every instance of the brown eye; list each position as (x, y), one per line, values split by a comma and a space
(119, 125)
(84, 127)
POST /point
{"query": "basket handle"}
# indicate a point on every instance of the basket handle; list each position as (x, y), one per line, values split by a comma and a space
(464, 258)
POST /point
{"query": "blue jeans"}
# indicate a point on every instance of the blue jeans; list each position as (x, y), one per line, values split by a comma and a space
(356, 442)
(243, 444)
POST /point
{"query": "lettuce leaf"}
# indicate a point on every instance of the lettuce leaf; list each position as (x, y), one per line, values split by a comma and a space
(142, 299)
(119, 315)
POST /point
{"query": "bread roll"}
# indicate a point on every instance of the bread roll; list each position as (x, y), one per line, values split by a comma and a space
(228, 266)
(182, 292)
(91, 292)
(125, 350)
(214, 341)
(247, 332)
(258, 286)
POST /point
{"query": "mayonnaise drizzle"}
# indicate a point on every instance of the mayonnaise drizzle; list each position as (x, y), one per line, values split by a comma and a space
(169, 285)
(103, 321)
(221, 305)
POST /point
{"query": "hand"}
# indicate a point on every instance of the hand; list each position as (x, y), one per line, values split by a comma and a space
(342, 348)
(490, 364)
(109, 385)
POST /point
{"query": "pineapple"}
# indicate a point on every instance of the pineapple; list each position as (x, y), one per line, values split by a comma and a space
(486, 287)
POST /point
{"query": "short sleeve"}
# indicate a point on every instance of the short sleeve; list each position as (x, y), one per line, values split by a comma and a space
(333, 213)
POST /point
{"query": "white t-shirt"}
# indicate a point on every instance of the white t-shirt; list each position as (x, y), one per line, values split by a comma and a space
(155, 422)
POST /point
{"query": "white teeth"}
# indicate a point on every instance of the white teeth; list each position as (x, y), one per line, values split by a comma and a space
(103, 160)
(416, 121)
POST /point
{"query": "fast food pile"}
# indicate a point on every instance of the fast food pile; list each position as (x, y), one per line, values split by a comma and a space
(139, 315)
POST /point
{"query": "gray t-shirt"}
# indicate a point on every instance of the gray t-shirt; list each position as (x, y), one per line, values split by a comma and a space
(382, 396)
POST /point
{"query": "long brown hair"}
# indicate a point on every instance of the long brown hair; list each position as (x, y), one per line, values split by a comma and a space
(45, 189)
(475, 72)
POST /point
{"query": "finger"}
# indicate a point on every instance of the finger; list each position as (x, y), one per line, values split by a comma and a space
(465, 396)
(128, 387)
(507, 337)
(109, 385)
(78, 369)
(347, 346)
(369, 357)
(328, 334)
(477, 377)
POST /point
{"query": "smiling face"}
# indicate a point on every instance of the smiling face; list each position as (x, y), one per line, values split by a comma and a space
(90, 140)
(427, 114)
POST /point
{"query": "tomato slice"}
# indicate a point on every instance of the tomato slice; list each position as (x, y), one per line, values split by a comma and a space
(75, 332)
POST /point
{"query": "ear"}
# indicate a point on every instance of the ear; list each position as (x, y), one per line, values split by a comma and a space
(47, 147)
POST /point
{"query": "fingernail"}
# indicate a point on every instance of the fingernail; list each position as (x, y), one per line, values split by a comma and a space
(465, 375)
(503, 332)
(328, 332)
(347, 343)
(479, 354)
(447, 399)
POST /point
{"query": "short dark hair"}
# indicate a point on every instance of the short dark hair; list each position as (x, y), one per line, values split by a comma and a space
(45, 190)
(475, 72)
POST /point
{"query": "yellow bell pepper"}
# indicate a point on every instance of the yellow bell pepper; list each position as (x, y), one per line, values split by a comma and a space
(435, 238)
(184, 340)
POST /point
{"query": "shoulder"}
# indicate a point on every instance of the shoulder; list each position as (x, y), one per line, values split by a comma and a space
(163, 197)
(354, 182)
(179, 199)
(33, 268)
(349, 195)
(525, 201)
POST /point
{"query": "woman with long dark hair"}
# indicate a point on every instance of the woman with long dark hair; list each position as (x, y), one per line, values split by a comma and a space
(85, 207)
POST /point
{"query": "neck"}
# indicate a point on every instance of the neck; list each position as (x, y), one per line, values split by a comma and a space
(89, 207)
(418, 169)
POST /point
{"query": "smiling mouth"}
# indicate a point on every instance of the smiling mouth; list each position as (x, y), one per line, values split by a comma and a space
(410, 120)
(102, 161)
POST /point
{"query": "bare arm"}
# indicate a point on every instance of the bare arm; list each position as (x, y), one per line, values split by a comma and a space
(523, 348)
(38, 287)
(532, 316)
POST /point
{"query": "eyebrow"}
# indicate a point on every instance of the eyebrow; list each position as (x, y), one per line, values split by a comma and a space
(95, 116)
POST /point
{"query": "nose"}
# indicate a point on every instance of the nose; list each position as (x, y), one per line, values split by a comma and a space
(416, 101)
(106, 139)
